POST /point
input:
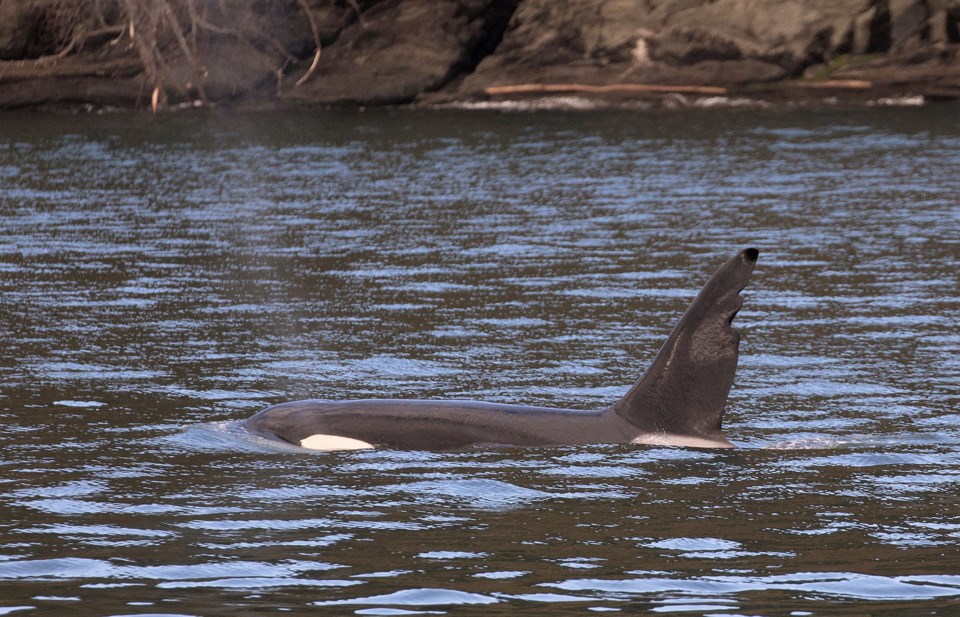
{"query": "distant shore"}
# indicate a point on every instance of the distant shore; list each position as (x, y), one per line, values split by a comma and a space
(488, 54)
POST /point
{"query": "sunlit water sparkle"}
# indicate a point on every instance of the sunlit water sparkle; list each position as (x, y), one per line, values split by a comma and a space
(162, 279)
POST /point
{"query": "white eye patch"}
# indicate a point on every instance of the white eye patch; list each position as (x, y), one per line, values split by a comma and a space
(331, 443)
(663, 439)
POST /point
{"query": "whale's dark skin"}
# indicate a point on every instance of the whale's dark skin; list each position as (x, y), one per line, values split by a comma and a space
(678, 400)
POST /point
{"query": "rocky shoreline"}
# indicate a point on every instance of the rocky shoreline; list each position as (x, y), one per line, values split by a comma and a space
(491, 54)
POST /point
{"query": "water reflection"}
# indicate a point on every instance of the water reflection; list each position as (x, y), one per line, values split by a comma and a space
(162, 280)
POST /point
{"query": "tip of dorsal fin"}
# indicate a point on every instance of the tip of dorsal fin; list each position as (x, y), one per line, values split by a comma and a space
(685, 388)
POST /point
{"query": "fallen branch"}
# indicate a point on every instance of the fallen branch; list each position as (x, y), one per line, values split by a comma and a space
(70, 68)
(839, 84)
(609, 88)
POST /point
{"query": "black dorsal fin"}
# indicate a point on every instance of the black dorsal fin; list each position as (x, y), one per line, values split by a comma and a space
(683, 392)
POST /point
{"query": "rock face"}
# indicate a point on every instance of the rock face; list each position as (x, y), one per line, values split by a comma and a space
(21, 33)
(401, 51)
(724, 42)
(398, 50)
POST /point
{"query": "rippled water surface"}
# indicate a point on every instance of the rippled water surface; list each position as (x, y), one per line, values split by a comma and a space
(162, 279)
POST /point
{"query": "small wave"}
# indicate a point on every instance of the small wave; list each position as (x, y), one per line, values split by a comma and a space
(695, 544)
(62, 529)
(451, 555)
(257, 583)
(711, 548)
(78, 567)
(835, 584)
(899, 101)
(229, 436)
(478, 492)
(79, 507)
(418, 597)
(552, 103)
(813, 443)
(708, 102)
(82, 404)
(917, 445)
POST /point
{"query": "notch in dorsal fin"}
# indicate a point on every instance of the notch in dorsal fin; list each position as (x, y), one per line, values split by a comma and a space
(683, 392)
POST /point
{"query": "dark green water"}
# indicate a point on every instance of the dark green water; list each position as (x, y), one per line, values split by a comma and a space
(161, 279)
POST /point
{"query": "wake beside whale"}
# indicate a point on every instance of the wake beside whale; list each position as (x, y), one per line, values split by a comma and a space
(677, 401)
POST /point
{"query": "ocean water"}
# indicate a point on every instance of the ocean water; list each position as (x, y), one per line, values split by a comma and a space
(161, 279)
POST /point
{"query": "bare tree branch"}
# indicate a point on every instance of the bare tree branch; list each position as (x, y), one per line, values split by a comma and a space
(315, 29)
(165, 35)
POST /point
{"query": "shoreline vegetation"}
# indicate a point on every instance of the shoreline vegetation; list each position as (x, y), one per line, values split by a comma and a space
(171, 54)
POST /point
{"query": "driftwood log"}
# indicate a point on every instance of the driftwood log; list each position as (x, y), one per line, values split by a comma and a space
(605, 89)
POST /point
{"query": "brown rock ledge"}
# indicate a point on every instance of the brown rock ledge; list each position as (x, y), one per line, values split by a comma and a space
(376, 52)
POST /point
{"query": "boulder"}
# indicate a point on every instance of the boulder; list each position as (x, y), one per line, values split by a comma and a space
(253, 45)
(909, 27)
(944, 22)
(725, 42)
(20, 29)
(917, 23)
(397, 50)
(788, 33)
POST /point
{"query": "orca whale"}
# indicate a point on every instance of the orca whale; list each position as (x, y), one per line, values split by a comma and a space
(677, 401)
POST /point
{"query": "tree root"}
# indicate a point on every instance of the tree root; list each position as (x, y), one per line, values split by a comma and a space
(164, 36)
